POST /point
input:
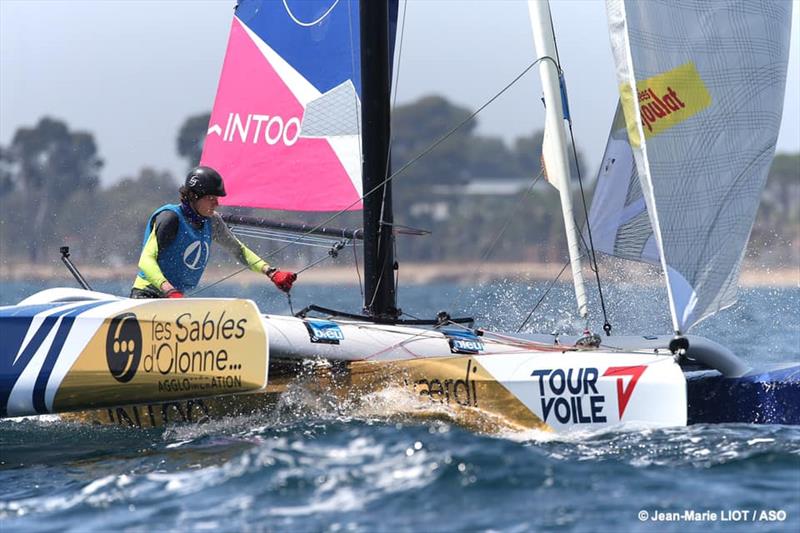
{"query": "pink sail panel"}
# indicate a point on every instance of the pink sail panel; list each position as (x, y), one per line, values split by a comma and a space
(254, 140)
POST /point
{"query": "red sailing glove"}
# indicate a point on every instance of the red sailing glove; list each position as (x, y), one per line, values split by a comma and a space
(283, 280)
(173, 293)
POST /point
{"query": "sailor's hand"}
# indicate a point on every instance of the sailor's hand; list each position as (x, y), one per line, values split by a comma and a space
(173, 293)
(166, 288)
(283, 280)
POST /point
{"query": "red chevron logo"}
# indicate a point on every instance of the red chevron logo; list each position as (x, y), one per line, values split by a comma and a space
(624, 392)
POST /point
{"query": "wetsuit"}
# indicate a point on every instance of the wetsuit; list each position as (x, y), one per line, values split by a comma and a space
(176, 248)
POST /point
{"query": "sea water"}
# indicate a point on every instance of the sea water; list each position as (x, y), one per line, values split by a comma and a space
(317, 466)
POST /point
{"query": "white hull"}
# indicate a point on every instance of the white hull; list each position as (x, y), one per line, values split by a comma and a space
(529, 384)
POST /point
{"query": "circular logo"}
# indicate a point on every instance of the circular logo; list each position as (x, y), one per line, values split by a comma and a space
(124, 347)
(196, 255)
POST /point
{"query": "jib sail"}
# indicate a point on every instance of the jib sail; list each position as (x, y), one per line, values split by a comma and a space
(702, 88)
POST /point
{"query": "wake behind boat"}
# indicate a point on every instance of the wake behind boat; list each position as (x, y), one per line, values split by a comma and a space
(679, 190)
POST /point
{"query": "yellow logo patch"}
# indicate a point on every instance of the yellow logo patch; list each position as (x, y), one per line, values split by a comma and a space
(664, 101)
(169, 350)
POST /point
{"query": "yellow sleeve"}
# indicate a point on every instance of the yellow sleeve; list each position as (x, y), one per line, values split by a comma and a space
(222, 234)
(252, 260)
(148, 262)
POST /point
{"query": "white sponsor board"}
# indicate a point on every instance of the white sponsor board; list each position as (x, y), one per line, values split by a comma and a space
(582, 390)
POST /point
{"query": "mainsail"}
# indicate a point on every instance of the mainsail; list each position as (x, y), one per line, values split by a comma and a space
(285, 126)
(702, 87)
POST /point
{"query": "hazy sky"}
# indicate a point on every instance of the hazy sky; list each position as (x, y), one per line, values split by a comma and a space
(131, 72)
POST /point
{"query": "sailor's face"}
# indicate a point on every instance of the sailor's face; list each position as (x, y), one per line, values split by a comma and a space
(206, 205)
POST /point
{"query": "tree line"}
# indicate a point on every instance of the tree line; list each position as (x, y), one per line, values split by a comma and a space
(51, 195)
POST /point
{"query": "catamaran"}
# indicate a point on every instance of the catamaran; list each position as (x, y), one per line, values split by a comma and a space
(304, 102)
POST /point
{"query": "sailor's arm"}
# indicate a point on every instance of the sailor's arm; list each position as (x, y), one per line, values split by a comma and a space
(164, 231)
(222, 234)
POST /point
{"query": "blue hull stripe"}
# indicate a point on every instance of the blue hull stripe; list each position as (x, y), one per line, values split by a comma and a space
(15, 326)
(11, 371)
(40, 387)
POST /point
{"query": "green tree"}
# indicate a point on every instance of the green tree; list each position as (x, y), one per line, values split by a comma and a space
(528, 152)
(124, 208)
(52, 157)
(416, 126)
(191, 137)
(51, 164)
(428, 193)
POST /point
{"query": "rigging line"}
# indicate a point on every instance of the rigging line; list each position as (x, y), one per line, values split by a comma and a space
(215, 283)
(315, 263)
(444, 323)
(422, 334)
(265, 258)
(355, 94)
(396, 75)
(536, 306)
(329, 237)
(396, 272)
(595, 268)
(584, 245)
(277, 239)
(272, 239)
(399, 55)
(555, 42)
(283, 238)
(377, 285)
(458, 126)
(419, 156)
(394, 174)
(494, 242)
(381, 229)
(489, 337)
(229, 276)
(358, 270)
(593, 253)
(489, 249)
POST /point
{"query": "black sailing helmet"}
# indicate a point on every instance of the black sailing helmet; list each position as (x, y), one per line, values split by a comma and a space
(202, 181)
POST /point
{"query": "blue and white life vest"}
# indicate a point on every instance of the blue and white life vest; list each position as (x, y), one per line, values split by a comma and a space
(183, 261)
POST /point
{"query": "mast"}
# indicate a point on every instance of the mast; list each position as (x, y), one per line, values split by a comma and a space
(554, 148)
(379, 293)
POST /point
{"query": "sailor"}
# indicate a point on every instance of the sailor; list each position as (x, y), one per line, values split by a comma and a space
(177, 242)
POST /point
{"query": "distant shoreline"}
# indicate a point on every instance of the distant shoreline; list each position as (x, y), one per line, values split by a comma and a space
(410, 273)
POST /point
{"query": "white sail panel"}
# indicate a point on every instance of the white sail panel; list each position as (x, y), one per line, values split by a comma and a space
(701, 86)
(618, 217)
